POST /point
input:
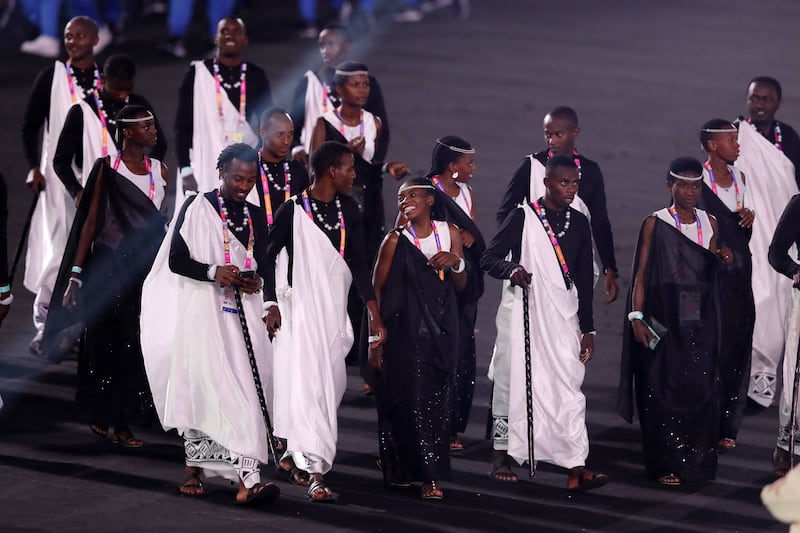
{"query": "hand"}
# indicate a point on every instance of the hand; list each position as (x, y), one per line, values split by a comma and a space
(376, 357)
(227, 276)
(641, 333)
(273, 319)
(358, 144)
(397, 170)
(4, 309)
(38, 182)
(70, 299)
(189, 183)
(250, 285)
(521, 278)
(467, 239)
(746, 218)
(725, 255)
(444, 260)
(78, 198)
(610, 284)
(302, 157)
(376, 329)
(796, 280)
(587, 347)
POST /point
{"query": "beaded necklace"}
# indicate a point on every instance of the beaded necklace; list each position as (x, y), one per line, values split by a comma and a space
(341, 123)
(674, 212)
(413, 232)
(554, 242)
(72, 79)
(226, 236)
(438, 182)
(707, 165)
(574, 154)
(242, 95)
(266, 176)
(308, 206)
(777, 136)
(567, 218)
(101, 113)
(148, 165)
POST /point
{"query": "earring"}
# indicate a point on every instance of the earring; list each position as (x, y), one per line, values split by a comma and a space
(455, 175)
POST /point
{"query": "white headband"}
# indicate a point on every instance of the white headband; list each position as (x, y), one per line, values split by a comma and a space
(149, 116)
(406, 187)
(350, 72)
(456, 149)
(719, 130)
(686, 178)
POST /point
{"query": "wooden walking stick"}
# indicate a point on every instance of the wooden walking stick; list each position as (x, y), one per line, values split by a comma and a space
(26, 229)
(793, 417)
(529, 381)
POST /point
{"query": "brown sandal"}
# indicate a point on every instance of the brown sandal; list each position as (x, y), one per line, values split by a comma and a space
(587, 480)
(431, 491)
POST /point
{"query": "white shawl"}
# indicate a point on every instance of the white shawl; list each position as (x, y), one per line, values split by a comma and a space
(194, 354)
(314, 108)
(310, 348)
(559, 406)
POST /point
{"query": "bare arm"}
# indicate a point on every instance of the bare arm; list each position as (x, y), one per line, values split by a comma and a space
(318, 137)
(638, 294)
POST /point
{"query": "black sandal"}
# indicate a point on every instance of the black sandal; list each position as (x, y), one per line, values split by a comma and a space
(294, 475)
(319, 486)
(188, 488)
(501, 475)
(261, 493)
(588, 480)
(781, 463)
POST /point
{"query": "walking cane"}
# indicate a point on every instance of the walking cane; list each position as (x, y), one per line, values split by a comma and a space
(793, 418)
(26, 229)
(529, 381)
(248, 343)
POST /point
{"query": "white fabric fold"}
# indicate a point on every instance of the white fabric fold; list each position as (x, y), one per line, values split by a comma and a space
(194, 353)
(311, 346)
(92, 141)
(314, 108)
(351, 132)
(559, 406)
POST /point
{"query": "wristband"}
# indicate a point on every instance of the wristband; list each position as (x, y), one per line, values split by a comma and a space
(7, 301)
(211, 272)
(460, 267)
(385, 168)
(516, 269)
(186, 171)
(76, 281)
(76, 270)
(268, 304)
(5, 288)
(297, 149)
(635, 315)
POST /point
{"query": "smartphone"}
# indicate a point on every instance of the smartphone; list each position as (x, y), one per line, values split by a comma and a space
(657, 330)
(247, 274)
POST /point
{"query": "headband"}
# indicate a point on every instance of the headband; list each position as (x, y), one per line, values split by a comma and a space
(720, 130)
(686, 178)
(456, 149)
(149, 116)
(406, 187)
(350, 72)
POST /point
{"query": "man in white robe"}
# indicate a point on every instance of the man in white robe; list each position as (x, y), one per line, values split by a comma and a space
(551, 257)
(201, 367)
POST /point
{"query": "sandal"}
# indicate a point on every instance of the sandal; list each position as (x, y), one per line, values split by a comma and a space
(780, 462)
(259, 492)
(318, 487)
(431, 491)
(670, 480)
(99, 430)
(727, 443)
(294, 475)
(587, 480)
(456, 447)
(503, 473)
(126, 440)
(193, 486)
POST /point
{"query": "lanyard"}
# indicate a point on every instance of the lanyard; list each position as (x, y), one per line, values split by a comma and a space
(714, 184)
(574, 154)
(554, 242)
(226, 235)
(101, 113)
(342, 125)
(148, 165)
(242, 94)
(438, 182)
(341, 227)
(674, 213)
(419, 245)
(71, 81)
(266, 179)
(777, 136)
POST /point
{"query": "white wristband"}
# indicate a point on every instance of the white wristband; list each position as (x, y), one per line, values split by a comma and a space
(460, 268)
(297, 149)
(269, 304)
(8, 300)
(516, 269)
(211, 272)
(635, 315)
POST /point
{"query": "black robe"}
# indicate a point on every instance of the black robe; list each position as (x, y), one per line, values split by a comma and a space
(112, 385)
(738, 313)
(420, 313)
(675, 386)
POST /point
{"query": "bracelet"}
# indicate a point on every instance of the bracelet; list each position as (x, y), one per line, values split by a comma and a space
(76, 270)
(460, 268)
(76, 281)
(516, 269)
(211, 272)
(635, 315)
(7, 301)
(5, 288)
(385, 168)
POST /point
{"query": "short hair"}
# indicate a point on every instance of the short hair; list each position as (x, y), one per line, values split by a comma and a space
(443, 156)
(565, 112)
(87, 21)
(243, 152)
(128, 112)
(682, 165)
(767, 80)
(347, 66)
(119, 67)
(713, 124)
(559, 160)
(271, 112)
(328, 154)
(348, 37)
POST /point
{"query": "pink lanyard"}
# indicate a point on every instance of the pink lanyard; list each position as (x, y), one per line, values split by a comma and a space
(242, 93)
(707, 164)
(226, 235)
(101, 113)
(674, 213)
(574, 154)
(419, 244)
(342, 125)
(438, 182)
(71, 81)
(342, 229)
(152, 193)
(777, 136)
(554, 242)
(266, 179)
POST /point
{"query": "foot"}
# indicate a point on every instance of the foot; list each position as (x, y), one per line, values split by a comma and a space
(99, 429)
(501, 468)
(780, 462)
(670, 480)
(319, 492)
(431, 491)
(263, 493)
(42, 46)
(193, 486)
(727, 443)
(126, 439)
(294, 474)
(366, 389)
(456, 447)
(581, 478)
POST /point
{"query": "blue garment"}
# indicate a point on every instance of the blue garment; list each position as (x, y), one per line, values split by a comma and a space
(308, 8)
(180, 15)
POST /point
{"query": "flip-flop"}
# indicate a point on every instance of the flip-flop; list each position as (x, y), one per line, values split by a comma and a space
(99, 430)
(495, 474)
(266, 494)
(130, 442)
(589, 480)
(198, 489)
(434, 492)
(456, 447)
(670, 480)
(319, 485)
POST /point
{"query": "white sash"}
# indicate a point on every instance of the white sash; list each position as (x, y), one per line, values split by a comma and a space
(310, 348)
(559, 406)
(770, 186)
(208, 134)
(351, 132)
(92, 141)
(55, 209)
(194, 354)
(314, 108)
(537, 190)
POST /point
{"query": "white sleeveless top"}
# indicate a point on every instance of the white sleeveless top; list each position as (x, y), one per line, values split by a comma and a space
(690, 230)
(728, 195)
(464, 198)
(351, 132)
(428, 244)
(142, 181)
